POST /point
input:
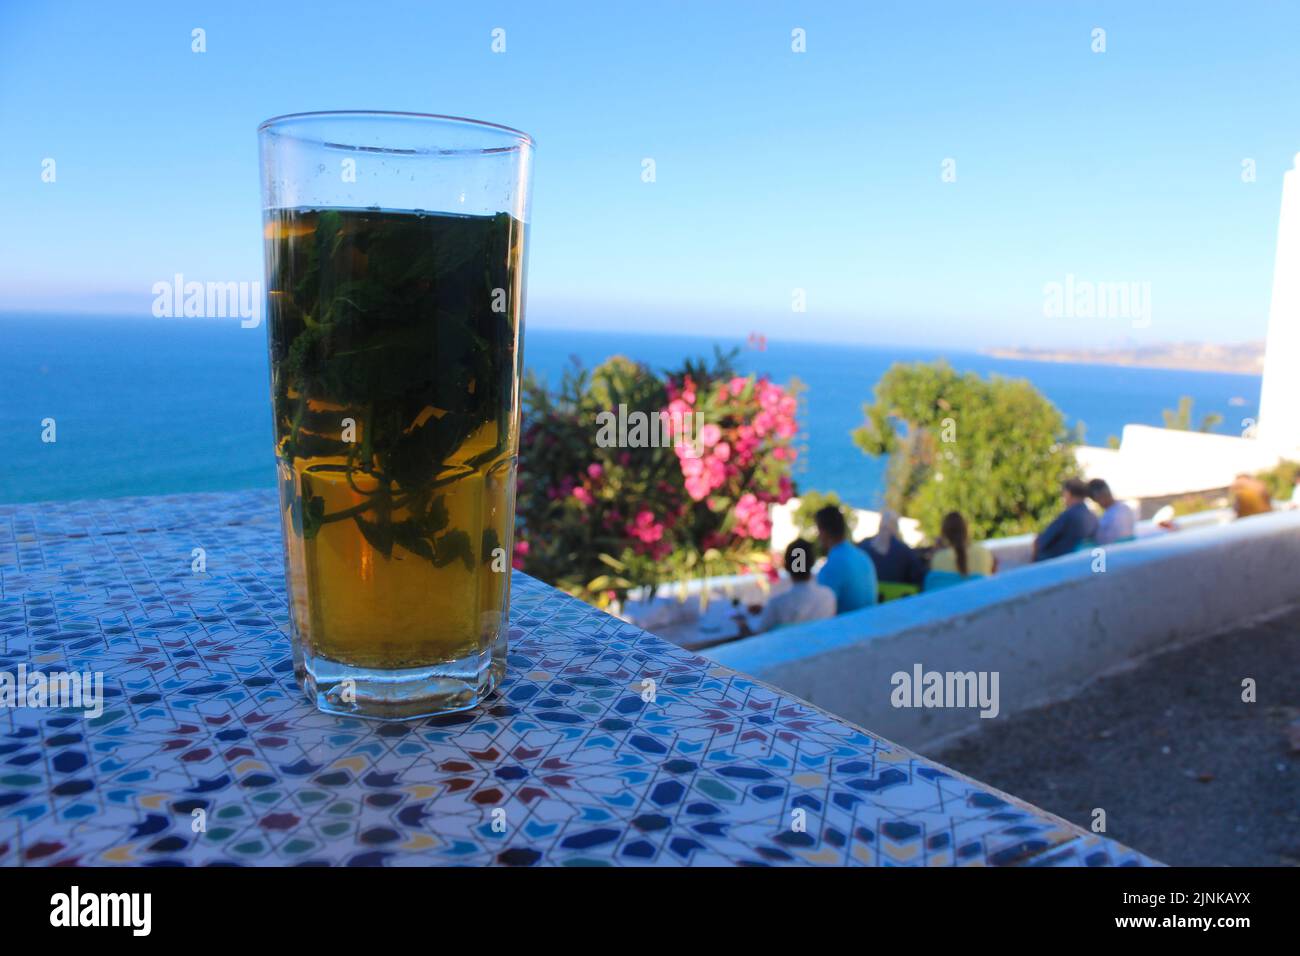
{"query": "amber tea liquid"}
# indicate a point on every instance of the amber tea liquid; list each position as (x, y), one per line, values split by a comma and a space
(395, 361)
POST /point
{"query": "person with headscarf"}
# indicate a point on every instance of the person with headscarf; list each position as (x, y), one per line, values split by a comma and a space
(895, 562)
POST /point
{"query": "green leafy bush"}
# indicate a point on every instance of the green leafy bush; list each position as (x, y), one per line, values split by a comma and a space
(1280, 479)
(996, 450)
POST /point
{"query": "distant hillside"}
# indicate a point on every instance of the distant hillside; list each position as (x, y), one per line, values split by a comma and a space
(1244, 357)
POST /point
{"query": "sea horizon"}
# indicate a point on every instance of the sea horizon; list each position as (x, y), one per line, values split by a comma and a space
(184, 404)
(545, 325)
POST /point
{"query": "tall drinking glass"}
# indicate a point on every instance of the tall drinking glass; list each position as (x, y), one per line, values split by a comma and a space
(394, 247)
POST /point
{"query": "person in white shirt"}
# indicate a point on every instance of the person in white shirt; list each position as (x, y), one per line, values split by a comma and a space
(1117, 522)
(806, 600)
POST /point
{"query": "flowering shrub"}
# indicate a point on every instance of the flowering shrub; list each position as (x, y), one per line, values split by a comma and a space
(604, 509)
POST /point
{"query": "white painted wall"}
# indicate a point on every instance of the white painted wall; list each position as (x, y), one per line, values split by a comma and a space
(1045, 628)
(1279, 403)
(1161, 462)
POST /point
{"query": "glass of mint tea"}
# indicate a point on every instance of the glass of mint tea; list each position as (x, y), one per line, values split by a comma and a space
(395, 258)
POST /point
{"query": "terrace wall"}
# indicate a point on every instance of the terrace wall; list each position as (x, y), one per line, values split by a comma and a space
(1045, 628)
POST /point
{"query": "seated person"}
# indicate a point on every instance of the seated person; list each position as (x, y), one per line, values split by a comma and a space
(957, 554)
(1072, 527)
(1117, 522)
(806, 600)
(847, 571)
(895, 562)
(1250, 496)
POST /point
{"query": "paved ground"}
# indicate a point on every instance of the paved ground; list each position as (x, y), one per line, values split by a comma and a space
(1186, 772)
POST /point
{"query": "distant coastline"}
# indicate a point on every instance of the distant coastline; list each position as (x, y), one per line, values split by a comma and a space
(1245, 358)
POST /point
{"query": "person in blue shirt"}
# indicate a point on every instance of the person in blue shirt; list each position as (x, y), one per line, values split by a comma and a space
(847, 571)
(1072, 527)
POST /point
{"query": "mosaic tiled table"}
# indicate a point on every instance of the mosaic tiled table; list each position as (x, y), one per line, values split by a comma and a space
(202, 713)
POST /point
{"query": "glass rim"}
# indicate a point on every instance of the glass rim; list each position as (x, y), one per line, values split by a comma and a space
(521, 138)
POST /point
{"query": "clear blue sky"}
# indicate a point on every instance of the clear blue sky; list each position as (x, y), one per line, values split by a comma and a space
(776, 170)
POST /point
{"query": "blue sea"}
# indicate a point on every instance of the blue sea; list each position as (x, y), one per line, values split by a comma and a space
(157, 406)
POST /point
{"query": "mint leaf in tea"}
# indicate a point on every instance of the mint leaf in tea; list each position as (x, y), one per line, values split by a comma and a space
(394, 342)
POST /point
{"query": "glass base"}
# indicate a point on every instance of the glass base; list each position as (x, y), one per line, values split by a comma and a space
(404, 694)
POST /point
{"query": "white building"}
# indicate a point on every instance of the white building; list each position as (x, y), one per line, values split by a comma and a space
(1279, 408)
(1155, 465)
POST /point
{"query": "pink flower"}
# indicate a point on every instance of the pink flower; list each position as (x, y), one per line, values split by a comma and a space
(686, 392)
(651, 533)
(769, 396)
(645, 528)
(697, 486)
(583, 495)
(752, 519)
(595, 472)
(715, 471)
(710, 435)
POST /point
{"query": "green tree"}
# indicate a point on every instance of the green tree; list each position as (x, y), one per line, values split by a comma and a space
(1280, 479)
(571, 544)
(1181, 419)
(996, 450)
